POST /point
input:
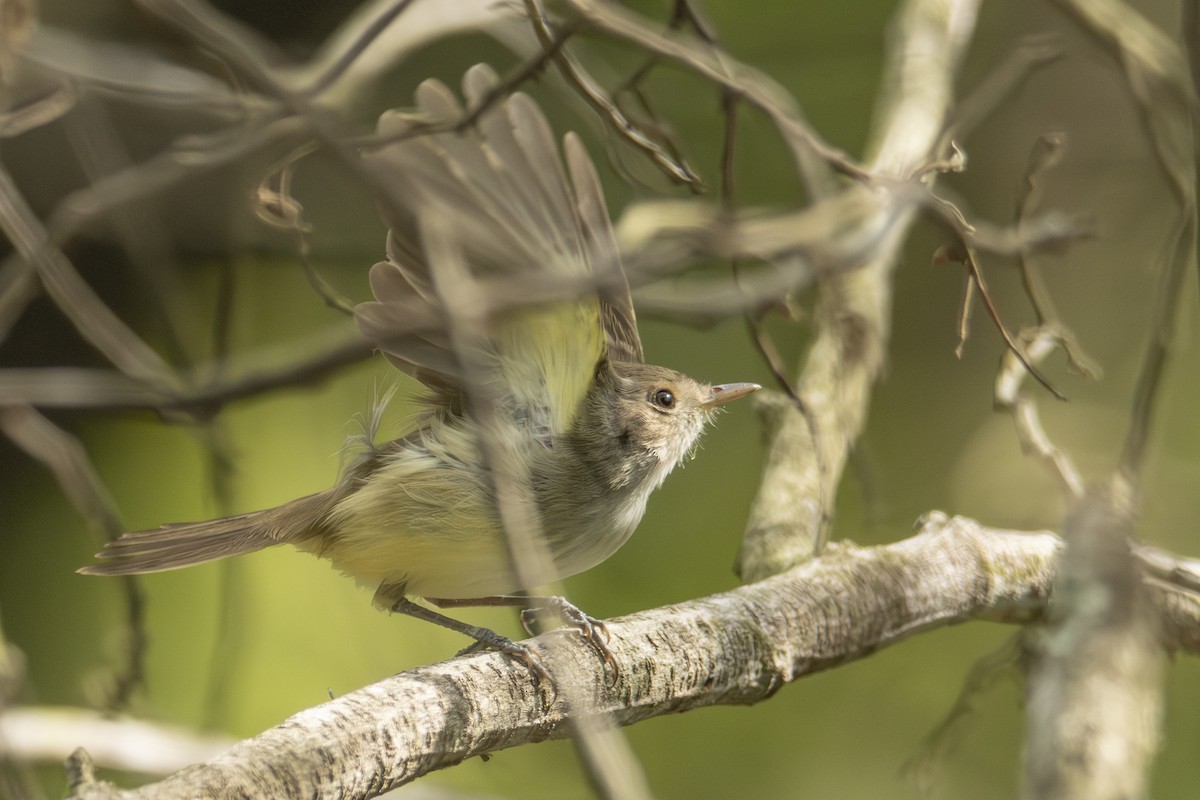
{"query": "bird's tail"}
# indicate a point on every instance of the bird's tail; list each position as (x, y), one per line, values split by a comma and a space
(187, 543)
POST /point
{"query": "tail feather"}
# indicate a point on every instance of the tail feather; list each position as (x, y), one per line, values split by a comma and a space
(188, 543)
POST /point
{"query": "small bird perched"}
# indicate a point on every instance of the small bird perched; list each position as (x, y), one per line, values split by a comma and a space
(596, 429)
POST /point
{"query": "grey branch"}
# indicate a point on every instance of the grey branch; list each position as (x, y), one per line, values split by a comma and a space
(46, 734)
(735, 648)
(1095, 685)
(809, 445)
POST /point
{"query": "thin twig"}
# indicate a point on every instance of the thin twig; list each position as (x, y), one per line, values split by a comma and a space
(81, 388)
(725, 71)
(65, 457)
(352, 51)
(611, 764)
(965, 255)
(94, 320)
(588, 89)
(1037, 343)
(1046, 154)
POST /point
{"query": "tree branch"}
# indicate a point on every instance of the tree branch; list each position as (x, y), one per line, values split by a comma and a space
(810, 442)
(1095, 683)
(735, 648)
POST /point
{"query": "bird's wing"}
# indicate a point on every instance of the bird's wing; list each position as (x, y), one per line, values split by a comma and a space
(521, 229)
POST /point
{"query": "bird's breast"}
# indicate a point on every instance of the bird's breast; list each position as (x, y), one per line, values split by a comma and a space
(425, 518)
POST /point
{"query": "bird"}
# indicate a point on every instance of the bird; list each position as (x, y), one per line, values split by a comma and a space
(595, 430)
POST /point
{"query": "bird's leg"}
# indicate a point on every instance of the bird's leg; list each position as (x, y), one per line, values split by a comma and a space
(588, 626)
(484, 637)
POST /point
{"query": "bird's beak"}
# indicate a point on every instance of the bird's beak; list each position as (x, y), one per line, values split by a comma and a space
(725, 392)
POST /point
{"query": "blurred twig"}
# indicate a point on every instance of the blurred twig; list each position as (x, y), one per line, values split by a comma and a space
(94, 320)
(16, 775)
(48, 105)
(346, 57)
(1046, 154)
(1095, 681)
(1095, 686)
(188, 158)
(138, 225)
(49, 735)
(941, 742)
(67, 387)
(1038, 342)
(66, 459)
(1152, 60)
(999, 84)
(1159, 79)
(606, 755)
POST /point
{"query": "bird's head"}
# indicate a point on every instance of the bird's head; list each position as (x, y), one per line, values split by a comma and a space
(639, 421)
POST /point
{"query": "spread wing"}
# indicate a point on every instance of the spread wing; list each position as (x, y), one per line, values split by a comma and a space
(502, 193)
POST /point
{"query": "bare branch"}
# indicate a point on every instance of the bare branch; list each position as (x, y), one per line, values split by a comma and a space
(64, 456)
(1159, 78)
(1037, 344)
(605, 753)
(48, 735)
(741, 647)
(967, 257)
(590, 91)
(1095, 685)
(244, 376)
(725, 71)
(89, 314)
(789, 519)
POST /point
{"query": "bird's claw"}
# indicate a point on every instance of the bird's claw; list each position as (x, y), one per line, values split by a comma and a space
(524, 653)
(593, 631)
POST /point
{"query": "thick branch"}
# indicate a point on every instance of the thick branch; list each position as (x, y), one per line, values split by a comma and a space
(809, 445)
(1095, 685)
(733, 648)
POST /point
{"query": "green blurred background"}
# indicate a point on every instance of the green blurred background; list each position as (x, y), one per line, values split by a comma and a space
(239, 646)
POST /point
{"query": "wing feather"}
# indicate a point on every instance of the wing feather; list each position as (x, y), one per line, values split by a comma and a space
(619, 320)
(504, 194)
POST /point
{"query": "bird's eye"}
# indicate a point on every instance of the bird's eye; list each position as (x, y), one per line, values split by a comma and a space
(663, 398)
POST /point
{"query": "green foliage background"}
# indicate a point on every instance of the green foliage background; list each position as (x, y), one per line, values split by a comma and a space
(237, 647)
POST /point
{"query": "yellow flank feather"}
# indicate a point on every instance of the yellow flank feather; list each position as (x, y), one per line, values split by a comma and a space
(547, 359)
(422, 508)
(425, 506)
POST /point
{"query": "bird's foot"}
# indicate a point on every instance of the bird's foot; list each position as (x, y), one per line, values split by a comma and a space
(487, 639)
(593, 631)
